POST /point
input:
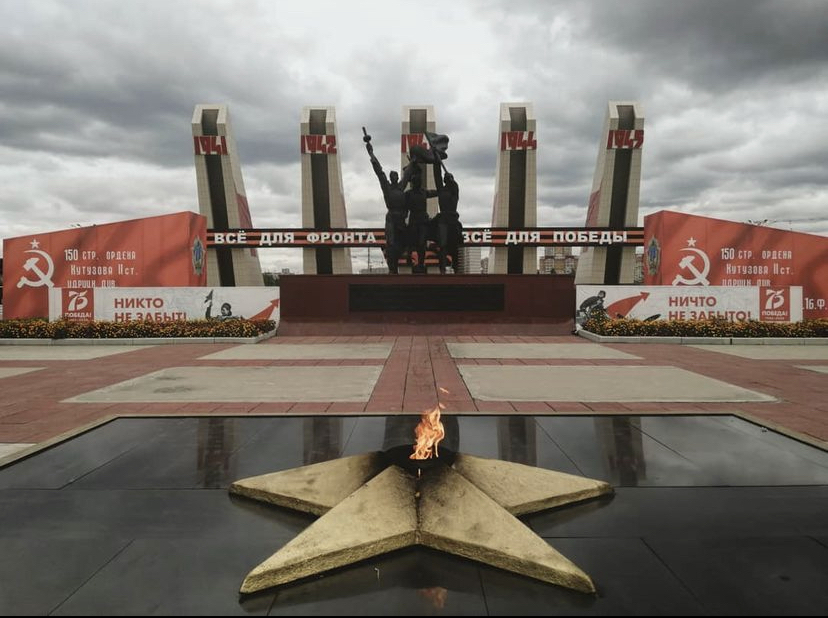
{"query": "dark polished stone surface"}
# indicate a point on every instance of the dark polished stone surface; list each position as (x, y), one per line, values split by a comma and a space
(773, 576)
(389, 297)
(711, 515)
(630, 579)
(37, 574)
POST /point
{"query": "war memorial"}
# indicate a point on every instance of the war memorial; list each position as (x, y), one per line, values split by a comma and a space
(425, 441)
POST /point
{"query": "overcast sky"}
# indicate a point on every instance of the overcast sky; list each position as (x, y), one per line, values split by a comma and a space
(96, 99)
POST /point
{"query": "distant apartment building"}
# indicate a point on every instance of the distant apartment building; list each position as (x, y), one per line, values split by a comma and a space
(558, 261)
(469, 261)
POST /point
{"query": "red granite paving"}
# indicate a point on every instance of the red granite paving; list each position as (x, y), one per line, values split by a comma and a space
(304, 408)
(345, 407)
(32, 406)
(272, 407)
(569, 407)
(532, 407)
(390, 386)
(498, 407)
(607, 407)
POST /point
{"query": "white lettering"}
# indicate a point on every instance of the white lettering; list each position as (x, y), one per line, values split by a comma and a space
(746, 269)
(120, 255)
(89, 271)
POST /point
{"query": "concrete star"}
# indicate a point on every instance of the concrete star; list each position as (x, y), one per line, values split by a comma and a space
(369, 508)
(691, 242)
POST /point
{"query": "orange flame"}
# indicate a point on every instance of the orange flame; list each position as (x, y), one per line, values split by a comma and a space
(429, 432)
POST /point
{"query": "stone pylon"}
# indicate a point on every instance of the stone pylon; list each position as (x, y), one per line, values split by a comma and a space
(613, 201)
(516, 187)
(323, 199)
(221, 196)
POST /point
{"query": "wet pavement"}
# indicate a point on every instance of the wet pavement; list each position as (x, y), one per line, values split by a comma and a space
(714, 512)
(711, 515)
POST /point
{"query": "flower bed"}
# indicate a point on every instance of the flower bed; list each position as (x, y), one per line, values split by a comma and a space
(705, 328)
(64, 329)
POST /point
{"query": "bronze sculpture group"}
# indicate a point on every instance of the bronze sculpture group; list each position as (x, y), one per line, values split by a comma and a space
(409, 231)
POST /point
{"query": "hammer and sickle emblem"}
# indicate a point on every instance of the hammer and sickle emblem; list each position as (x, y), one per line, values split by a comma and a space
(688, 262)
(31, 265)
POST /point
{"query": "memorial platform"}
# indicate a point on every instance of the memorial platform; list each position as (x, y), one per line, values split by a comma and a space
(427, 304)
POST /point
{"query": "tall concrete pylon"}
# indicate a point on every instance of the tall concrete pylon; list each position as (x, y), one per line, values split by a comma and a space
(516, 190)
(323, 199)
(221, 196)
(613, 201)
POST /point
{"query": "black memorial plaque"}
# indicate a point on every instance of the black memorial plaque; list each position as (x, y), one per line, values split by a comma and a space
(483, 297)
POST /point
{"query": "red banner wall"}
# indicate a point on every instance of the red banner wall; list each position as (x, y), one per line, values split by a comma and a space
(681, 249)
(163, 251)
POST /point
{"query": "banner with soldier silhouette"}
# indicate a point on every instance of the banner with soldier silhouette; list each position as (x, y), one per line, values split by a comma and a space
(164, 304)
(664, 302)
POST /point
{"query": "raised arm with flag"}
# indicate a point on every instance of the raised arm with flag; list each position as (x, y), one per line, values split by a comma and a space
(418, 155)
(438, 144)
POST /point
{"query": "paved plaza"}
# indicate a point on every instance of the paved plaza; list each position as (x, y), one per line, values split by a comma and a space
(117, 461)
(51, 390)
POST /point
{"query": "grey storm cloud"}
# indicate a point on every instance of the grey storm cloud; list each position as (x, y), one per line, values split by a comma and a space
(96, 98)
(725, 44)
